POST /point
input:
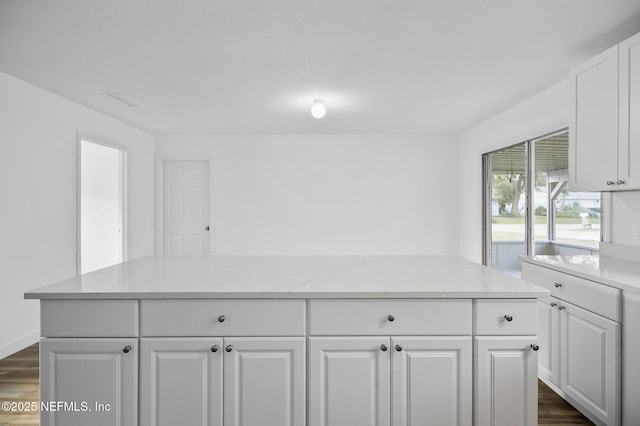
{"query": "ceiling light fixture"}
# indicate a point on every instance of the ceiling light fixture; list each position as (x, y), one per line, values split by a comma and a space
(124, 99)
(318, 109)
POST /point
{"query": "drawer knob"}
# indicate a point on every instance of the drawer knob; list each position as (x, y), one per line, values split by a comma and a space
(560, 307)
(214, 348)
(229, 348)
(553, 304)
(126, 349)
(383, 347)
(221, 318)
(508, 317)
(611, 182)
(391, 318)
(557, 285)
(398, 348)
(535, 347)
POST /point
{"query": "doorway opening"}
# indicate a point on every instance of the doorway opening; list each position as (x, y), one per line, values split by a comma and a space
(101, 193)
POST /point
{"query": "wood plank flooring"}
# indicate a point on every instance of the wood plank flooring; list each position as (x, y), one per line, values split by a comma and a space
(19, 383)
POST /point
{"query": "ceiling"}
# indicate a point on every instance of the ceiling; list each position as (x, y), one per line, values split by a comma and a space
(255, 66)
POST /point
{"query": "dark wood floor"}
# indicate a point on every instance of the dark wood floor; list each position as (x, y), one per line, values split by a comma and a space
(19, 383)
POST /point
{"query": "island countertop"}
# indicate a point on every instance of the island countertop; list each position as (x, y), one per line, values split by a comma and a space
(291, 277)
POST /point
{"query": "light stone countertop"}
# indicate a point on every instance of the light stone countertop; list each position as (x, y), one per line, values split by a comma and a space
(622, 274)
(292, 277)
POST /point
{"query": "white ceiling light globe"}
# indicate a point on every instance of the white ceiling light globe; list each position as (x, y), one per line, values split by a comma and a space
(318, 110)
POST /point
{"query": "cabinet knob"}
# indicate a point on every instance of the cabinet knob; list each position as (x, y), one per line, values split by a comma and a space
(621, 182)
(214, 348)
(383, 347)
(398, 348)
(611, 182)
(560, 307)
(508, 317)
(535, 347)
(557, 285)
(221, 318)
(391, 318)
(229, 348)
(553, 304)
(126, 349)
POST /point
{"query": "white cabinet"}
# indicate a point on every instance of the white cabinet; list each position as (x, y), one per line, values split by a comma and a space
(264, 381)
(589, 362)
(431, 381)
(549, 340)
(89, 381)
(506, 381)
(378, 381)
(181, 381)
(349, 381)
(604, 137)
(580, 349)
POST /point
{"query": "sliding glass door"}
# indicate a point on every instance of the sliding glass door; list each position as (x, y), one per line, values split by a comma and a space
(528, 208)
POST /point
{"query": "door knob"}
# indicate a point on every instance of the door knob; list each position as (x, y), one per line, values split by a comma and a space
(214, 348)
(391, 318)
(535, 347)
(229, 348)
(398, 348)
(611, 182)
(221, 318)
(126, 349)
(557, 285)
(207, 228)
(508, 317)
(621, 182)
(383, 347)
(553, 304)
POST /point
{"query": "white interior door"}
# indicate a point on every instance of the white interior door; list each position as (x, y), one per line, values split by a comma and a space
(102, 205)
(186, 208)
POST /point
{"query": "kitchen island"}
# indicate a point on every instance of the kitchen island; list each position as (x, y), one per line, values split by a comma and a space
(290, 340)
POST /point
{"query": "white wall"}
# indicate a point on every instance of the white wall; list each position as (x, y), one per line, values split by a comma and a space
(38, 209)
(545, 112)
(329, 194)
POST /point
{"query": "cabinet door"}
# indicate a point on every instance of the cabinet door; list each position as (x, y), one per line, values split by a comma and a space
(349, 381)
(264, 381)
(506, 381)
(181, 381)
(431, 381)
(94, 381)
(590, 347)
(548, 332)
(629, 139)
(593, 125)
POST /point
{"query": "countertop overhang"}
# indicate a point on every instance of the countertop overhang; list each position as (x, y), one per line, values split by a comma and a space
(291, 277)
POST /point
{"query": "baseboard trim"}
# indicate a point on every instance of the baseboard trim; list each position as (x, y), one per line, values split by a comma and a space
(19, 344)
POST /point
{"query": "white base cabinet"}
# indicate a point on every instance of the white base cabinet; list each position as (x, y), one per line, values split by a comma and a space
(580, 350)
(378, 381)
(214, 381)
(86, 381)
(506, 381)
(590, 362)
(211, 362)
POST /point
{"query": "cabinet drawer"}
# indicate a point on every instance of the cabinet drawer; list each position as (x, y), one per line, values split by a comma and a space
(89, 318)
(390, 317)
(222, 318)
(590, 295)
(506, 317)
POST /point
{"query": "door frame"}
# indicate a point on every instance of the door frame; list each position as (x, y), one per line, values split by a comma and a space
(159, 204)
(80, 136)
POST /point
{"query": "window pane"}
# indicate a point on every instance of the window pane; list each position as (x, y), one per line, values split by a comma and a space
(508, 204)
(565, 222)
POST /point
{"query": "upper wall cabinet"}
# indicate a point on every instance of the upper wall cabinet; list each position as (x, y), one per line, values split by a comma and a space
(604, 128)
